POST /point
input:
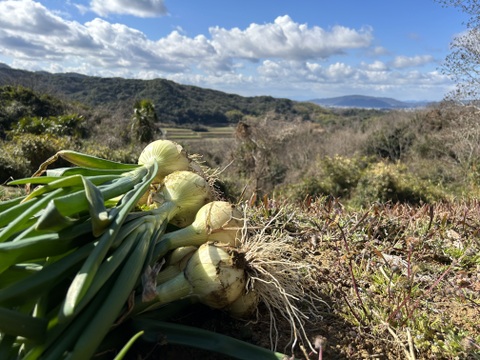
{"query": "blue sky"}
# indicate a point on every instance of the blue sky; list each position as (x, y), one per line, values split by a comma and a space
(295, 49)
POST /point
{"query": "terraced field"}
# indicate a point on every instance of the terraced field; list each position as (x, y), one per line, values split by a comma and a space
(177, 134)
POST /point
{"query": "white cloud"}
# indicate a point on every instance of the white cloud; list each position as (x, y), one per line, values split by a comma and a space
(30, 31)
(285, 38)
(112, 45)
(339, 72)
(377, 65)
(29, 18)
(181, 47)
(305, 78)
(378, 51)
(411, 61)
(140, 8)
(271, 70)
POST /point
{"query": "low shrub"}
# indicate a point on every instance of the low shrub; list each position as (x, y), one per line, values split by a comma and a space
(392, 136)
(360, 182)
(12, 165)
(335, 176)
(22, 156)
(126, 154)
(63, 125)
(385, 182)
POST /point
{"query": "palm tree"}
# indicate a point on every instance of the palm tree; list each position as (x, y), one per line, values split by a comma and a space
(143, 121)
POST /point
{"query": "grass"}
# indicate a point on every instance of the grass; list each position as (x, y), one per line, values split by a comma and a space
(9, 192)
(397, 281)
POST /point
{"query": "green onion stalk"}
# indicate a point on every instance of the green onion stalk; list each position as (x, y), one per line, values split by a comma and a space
(175, 263)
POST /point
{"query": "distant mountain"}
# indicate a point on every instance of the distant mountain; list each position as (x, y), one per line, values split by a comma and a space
(370, 102)
(174, 103)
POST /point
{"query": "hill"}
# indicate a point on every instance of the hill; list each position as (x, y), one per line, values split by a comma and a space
(174, 103)
(370, 102)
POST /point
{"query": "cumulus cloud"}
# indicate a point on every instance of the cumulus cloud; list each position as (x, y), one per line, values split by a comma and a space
(116, 45)
(377, 65)
(339, 72)
(30, 31)
(140, 8)
(181, 46)
(39, 35)
(411, 61)
(285, 38)
(321, 77)
(29, 18)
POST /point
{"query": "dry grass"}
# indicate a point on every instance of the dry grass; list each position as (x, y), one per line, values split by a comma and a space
(8, 192)
(396, 281)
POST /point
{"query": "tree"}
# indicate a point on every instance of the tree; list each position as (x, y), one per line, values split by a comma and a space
(463, 63)
(144, 120)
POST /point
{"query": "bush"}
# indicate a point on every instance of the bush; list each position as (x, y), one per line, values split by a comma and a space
(383, 182)
(335, 176)
(12, 165)
(393, 136)
(308, 187)
(125, 155)
(17, 102)
(22, 156)
(359, 182)
(63, 125)
(339, 175)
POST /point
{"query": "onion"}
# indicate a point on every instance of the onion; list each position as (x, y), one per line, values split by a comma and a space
(169, 155)
(216, 221)
(245, 305)
(214, 275)
(181, 195)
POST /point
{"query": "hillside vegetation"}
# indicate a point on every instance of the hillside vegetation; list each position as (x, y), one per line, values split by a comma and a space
(384, 205)
(174, 103)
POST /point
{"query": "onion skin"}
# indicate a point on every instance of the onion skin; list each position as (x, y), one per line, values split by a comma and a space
(182, 194)
(217, 221)
(216, 275)
(244, 306)
(169, 155)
